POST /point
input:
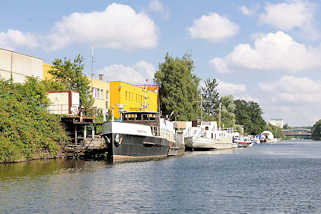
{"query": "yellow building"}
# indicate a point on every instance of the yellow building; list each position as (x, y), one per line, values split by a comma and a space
(128, 97)
(99, 89)
(46, 69)
(100, 93)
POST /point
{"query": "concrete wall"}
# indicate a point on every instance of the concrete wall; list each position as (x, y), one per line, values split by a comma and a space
(19, 66)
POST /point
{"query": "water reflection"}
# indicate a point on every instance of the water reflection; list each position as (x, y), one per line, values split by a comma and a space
(276, 178)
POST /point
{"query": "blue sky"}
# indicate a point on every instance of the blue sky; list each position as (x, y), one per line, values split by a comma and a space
(266, 51)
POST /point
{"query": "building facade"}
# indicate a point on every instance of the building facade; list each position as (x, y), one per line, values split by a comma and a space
(46, 69)
(100, 94)
(277, 122)
(19, 66)
(128, 97)
(99, 89)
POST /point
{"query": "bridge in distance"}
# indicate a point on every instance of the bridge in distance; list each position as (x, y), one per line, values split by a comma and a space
(297, 133)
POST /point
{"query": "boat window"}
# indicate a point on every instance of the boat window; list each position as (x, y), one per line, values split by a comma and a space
(139, 117)
(212, 135)
(145, 117)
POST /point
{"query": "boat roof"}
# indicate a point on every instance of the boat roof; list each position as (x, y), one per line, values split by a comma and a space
(139, 112)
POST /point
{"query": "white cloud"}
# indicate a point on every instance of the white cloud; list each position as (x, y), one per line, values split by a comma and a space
(288, 15)
(118, 27)
(156, 6)
(246, 11)
(15, 38)
(139, 73)
(270, 52)
(294, 89)
(226, 88)
(295, 99)
(213, 28)
(292, 15)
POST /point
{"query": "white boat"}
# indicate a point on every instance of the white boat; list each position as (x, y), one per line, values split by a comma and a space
(138, 136)
(243, 142)
(206, 136)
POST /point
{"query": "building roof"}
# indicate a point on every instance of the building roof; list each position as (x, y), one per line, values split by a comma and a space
(20, 53)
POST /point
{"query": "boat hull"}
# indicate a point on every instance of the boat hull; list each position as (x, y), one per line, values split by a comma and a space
(202, 144)
(208, 144)
(243, 145)
(124, 147)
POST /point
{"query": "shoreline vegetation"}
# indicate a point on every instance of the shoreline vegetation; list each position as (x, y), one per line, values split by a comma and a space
(28, 131)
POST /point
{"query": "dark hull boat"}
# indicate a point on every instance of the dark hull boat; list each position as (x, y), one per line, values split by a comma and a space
(139, 136)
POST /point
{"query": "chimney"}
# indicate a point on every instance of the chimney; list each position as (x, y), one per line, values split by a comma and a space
(101, 76)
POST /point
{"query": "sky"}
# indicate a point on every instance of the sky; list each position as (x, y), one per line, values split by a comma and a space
(263, 51)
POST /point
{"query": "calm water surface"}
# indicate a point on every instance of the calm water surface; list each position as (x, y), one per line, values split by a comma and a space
(278, 178)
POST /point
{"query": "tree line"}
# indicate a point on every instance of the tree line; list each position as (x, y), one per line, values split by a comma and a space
(182, 98)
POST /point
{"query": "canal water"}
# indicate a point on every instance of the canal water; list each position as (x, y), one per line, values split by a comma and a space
(267, 178)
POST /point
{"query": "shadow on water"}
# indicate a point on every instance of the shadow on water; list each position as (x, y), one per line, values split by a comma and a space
(48, 167)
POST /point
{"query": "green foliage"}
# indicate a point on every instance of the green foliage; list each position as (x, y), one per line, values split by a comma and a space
(26, 128)
(276, 131)
(249, 114)
(316, 131)
(286, 126)
(178, 88)
(227, 112)
(70, 76)
(210, 99)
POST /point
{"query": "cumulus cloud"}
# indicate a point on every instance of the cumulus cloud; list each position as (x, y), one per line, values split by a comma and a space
(226, 88)
(156, 6)
(270, 52)
(16, 38)
(139, 73)
(246, 11)
(117, 27)
(213, 28)
(294, 89)
(295, 14)
(296, 99)
(288, 15)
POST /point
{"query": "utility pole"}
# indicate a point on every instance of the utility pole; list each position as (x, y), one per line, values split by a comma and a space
(92, 71)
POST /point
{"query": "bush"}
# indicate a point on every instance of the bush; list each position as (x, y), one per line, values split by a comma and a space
(26, 128)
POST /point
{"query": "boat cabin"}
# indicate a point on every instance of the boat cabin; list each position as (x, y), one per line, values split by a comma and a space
(151, 119)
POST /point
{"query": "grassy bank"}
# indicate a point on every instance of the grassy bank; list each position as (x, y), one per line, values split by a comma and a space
(27, 130)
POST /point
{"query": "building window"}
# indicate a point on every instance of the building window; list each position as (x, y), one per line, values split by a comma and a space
(95, 92)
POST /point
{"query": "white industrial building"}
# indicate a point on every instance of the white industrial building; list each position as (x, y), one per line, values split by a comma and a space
(19, 66)
(277, 122)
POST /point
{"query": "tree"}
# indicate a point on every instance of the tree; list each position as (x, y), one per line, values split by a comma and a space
(227, 112)
(286, 126)
(27, 130)
(316, 131)
(249, 114)
(178, 88)
(70, 75)
(210, 99)
(276, 131)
